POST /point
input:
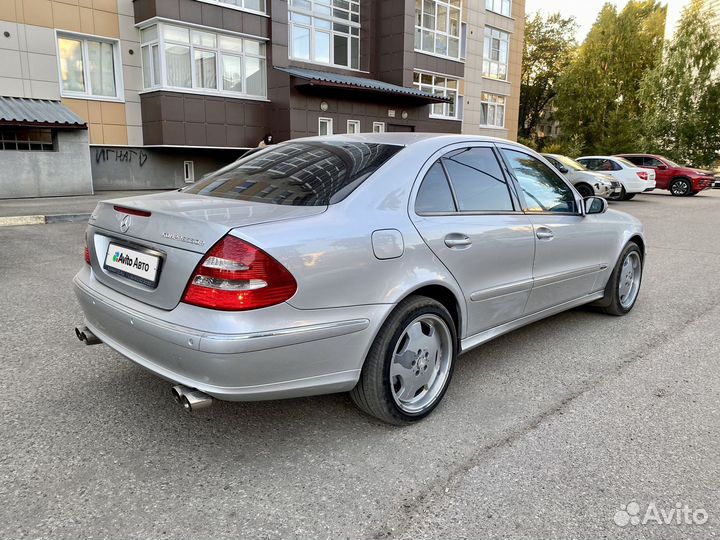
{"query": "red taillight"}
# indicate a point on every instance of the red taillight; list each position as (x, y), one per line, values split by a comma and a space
(643, 175)
(237, 276)
(132, 211)
(87, 255)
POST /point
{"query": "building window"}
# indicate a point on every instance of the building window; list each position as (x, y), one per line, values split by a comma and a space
(378, 127)
(439, 86)
(179, 57)
(437, 27)
(250, 5)
(495, 54)
(325, 32)
(89, 67)
(325, 126)
(24, 138)
(353, 126)
(492, 110)
(503, 7)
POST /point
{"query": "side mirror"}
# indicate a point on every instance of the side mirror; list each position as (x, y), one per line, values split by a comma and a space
(563, 169)
(595, 205)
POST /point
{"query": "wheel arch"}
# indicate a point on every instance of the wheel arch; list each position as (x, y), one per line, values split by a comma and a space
(640, 241)
(583, 183)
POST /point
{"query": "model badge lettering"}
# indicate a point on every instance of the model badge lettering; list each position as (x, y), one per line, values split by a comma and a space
(181, 238)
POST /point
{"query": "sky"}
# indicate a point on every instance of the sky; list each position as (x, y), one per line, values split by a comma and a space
(586, 11)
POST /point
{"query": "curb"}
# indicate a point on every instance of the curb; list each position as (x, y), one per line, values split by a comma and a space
(11, 221)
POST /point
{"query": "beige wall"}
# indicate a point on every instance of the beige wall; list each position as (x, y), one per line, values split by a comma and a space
(477, 18)
(30, 54)
(517, 41)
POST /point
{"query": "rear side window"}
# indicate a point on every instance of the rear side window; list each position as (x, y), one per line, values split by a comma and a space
(298, 173)
(478, 181)
(434, 194)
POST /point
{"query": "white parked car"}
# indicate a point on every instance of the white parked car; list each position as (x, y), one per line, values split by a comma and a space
(588, 183)
(634, 179)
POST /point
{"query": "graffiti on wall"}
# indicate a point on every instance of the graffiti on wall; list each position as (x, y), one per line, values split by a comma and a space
(122, 155)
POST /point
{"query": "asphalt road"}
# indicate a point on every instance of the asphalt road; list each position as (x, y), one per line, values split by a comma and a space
(544, 432)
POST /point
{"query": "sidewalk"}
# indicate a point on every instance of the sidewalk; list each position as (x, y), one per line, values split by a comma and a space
(56, 209)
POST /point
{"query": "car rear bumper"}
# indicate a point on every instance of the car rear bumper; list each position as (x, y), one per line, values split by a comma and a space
(315, 352)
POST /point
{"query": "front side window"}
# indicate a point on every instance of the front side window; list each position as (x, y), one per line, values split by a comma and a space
(503, 7)
(325, 32)
(178, 57)
(495, 54)
(544, 190)
(439, 86)
(88, 67)
(298, 173)
(438, 27)
(492, 110)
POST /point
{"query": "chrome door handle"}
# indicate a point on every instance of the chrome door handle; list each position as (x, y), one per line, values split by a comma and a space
(457, 241)
(543, 233)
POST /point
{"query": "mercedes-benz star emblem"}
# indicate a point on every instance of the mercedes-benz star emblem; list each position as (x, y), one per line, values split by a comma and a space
(125, 223)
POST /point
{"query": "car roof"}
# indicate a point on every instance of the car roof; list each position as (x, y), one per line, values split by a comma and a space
(598, 157)
(405, 139)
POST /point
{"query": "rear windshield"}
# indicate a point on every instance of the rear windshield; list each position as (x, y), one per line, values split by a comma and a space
(297, 173)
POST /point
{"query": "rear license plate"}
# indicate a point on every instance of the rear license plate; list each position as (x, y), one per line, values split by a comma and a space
(132, 264)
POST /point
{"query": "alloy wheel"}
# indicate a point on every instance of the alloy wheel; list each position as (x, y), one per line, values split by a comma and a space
(629, 283)
(421, 363)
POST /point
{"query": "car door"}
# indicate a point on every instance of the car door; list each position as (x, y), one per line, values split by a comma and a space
(465, 210)
(663, 174)
(572, 250)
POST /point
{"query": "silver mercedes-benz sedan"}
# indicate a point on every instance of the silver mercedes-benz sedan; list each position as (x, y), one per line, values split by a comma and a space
(361, 263)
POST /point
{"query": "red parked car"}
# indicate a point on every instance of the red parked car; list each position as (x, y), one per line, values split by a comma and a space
(678, 180)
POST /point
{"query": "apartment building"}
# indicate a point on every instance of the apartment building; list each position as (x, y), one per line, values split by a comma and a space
(120, 94)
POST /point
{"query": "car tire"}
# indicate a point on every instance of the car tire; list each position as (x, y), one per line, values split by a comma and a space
(623, 287)
(625, 196)
(585, 190)
(417, 323)
(680, 187)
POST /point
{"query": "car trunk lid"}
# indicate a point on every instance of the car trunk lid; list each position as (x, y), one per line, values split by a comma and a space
(172, 231)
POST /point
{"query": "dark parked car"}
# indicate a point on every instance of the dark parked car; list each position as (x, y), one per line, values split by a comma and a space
(678, 180)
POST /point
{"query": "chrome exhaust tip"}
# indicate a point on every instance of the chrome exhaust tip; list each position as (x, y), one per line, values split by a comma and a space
(191, 400)
(86, 335)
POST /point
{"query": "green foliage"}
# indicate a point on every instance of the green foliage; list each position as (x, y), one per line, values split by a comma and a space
(549, 46)
(598, 95)
(682, 94)
(530, 143)
(571, 146)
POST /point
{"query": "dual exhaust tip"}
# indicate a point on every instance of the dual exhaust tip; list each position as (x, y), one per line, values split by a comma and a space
(84, 334)
(190, 399)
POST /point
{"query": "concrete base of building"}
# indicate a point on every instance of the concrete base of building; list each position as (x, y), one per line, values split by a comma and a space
(63, 172)
(152, 168)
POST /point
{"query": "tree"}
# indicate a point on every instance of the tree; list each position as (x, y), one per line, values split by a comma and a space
(682, 95)
(598, 95)
(549, 44)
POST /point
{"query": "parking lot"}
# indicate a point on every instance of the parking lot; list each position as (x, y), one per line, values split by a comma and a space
(546, 432)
